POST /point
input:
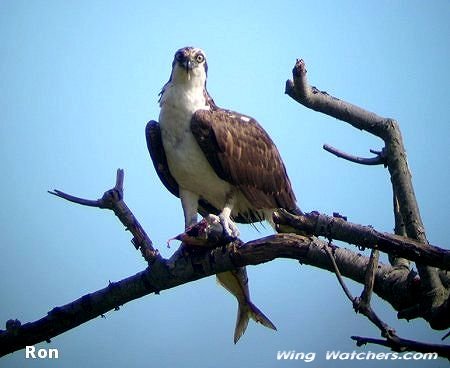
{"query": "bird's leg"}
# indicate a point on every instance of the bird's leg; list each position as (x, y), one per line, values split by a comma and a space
(189, 201)
(230, 230)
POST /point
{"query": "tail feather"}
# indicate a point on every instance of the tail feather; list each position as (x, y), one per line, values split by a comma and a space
(245, 312)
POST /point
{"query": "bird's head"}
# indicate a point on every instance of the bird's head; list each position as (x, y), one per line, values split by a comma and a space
(189, 64)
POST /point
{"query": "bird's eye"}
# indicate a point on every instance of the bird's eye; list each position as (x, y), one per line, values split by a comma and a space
(199, 58)
(179, 56)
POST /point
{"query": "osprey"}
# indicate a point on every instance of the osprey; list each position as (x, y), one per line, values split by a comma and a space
(219, 163)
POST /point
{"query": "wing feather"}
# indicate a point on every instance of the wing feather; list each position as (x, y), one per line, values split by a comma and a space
(159, 159)
(156, 149)
(242, 153)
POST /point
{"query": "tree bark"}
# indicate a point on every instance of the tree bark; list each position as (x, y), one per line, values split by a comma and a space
(397, 287)
(434, 294)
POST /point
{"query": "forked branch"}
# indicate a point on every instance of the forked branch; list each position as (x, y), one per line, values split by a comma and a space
(362, 305)
(395, 286)
(434, 294)
(379, 159)
(112, 199)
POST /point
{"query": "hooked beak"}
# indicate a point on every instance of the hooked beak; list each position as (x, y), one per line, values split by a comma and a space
(188, 65)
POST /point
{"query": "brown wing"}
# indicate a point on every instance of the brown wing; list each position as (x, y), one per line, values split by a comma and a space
(158, 156)
(159, 159)
(242, 153)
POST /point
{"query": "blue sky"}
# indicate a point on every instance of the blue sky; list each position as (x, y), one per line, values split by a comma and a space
(79, 82)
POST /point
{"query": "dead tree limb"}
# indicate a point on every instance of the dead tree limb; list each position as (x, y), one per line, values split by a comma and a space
(396, 286)
(379, 159)
(400, 286)
(434, 294)
(365, 237)
(402, 345)
(399, 229)
(362, 305)
(113, 200)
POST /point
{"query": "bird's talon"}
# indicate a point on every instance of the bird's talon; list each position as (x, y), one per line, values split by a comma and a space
(230, 230)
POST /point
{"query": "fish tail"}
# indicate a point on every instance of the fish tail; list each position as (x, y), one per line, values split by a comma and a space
(246, 311)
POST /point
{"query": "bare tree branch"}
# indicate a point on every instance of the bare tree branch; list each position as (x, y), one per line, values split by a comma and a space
(320, 101)
(399, 229)
(165, 274)
(434, 303)
(364, 236)
(396, 286)
(344, 287)
(413, 297)
(391, 285)
(379, 159)
(113, 200)
(388, 130)
(402, 345)
(362, 303)
(366, 294)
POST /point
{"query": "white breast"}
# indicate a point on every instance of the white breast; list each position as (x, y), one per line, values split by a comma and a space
(187, 163)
